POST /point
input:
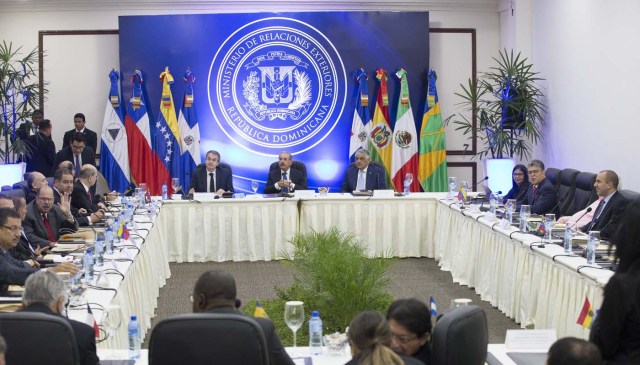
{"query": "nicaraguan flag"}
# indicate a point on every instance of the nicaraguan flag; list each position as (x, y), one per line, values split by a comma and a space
(114, 155)
(189, 133)
(166, 142)
(360, 127)
(434, 309)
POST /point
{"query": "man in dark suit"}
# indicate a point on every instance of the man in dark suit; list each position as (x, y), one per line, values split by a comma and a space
(44, 292)
(82, 197)
(44, 219)
(211, 178)
(215, 292)
(90, 137)
(611, 206)
(285, 179)
(35, 181)
(36, 118)
(24, 250)
(541, 194)
(43, 150)
(63, 183)
(363, 175)
(12, 270)
(78, 153)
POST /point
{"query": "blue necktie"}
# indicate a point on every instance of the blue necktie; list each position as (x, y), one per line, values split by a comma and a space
(285, 189)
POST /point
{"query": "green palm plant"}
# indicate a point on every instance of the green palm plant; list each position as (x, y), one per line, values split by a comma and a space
(19, 97)
(508, 106)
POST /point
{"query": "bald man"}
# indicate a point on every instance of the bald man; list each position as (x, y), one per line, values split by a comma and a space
(82, 196)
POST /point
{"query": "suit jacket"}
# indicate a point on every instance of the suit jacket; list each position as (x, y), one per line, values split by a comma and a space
(88, 156)
(544, 201)
(85, 336)
(22, 251)
(90, 138)
(375, 178)
(200, 175)
(12, 271)
(82, 220)
(607, 222)
(35, 229)
(277, 354)
(42, 155)
(81, 199)
(295, 176)
(517, 192)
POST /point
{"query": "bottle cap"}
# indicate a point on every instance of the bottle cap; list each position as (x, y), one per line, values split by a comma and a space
(134, 318)
(315, 314)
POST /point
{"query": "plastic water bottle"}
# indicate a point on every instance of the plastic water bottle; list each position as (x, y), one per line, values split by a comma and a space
(108, 238)
(129, 214)
(134, 338)
(88, 265)
(164, 191)
(315, 334)
(406, 187)
(492, 203)
(99, 258)
(592, 243)
(568, 236)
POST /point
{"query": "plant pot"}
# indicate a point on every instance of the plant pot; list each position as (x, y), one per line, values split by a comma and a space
(499, 171)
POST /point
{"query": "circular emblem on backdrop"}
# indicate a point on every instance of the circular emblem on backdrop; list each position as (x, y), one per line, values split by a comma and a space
(277, 84)
(115, 132)
(403, 139)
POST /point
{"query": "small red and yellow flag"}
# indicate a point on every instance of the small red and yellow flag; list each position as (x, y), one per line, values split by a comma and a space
(586, 315)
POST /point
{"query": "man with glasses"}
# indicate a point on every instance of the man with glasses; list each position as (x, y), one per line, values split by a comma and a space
(63, 183)
(541, 195)
(12, 270)
(78, 153)
(45, 220)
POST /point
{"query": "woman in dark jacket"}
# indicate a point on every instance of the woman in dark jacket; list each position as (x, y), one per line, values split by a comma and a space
(520, 180)
(616, 327)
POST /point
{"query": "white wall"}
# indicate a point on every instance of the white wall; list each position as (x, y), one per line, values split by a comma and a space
(20, 23)
(587, 51)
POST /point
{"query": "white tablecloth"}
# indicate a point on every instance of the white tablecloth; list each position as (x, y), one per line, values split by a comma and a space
(521, 280)
(396, 226)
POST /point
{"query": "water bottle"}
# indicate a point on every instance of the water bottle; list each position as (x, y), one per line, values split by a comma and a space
(406, 187)
(592, 243)
(567, 238)
(108, 238)
(129, 219)
(315, 334)
(492, 203)
(164, 191)
(99, 258)
(134, 338)
(88, 265)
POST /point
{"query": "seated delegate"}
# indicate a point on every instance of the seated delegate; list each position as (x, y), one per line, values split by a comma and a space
(211, 178)
(286, 178)
(410, 323)
(520, 181)
(541, 194)
(363, 175)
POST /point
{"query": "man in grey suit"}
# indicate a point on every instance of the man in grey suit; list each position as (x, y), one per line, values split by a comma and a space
(44, 219)
(363, 175)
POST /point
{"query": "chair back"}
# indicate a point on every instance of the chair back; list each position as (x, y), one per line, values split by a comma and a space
(38, 338)
(585, 193)
(460, 337)
(566, 189)
(298, 165)
(208, 338)
(553, 175)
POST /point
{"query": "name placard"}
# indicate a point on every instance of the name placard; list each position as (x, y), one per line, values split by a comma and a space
(530, 339)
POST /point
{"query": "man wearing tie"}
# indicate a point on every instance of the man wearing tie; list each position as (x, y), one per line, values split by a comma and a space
(44, 219)
(610, 205)
(363, 175)
(285, 179)
(78, 153)
(541, 195)
(23, 251)
(212, 178)
(90, 137)
(82, 196)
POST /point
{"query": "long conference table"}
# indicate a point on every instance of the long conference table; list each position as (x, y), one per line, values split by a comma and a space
(536, 286)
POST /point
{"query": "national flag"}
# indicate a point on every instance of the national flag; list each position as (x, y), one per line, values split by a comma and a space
(114, 155)
(432, 304)
(142, 159)
(462, 194)
(405, 140)
(381, 133)
(432, 169)
(586, 314)
(189, 133)
(360, 127)
(259, 311)
(91, 321)
(167, 136)
(123, 231)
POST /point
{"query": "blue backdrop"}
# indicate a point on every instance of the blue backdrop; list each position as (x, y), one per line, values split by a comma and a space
(268, 82)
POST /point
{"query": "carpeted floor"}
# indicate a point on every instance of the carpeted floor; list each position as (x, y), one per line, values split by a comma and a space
(411, 277)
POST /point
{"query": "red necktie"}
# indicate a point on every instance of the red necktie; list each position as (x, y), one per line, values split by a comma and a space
(48, 227)
(535, 191)
(89, 196)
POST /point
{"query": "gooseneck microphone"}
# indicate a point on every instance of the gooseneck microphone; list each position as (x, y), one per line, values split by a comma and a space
(583, 214)
(479, 182)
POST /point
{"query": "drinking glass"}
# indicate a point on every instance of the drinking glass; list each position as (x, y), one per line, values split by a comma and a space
(460, 302)
(175, 184)
(409, 178)
(452, 187)
(143, 187)
(525, 213)
(294, 317)
(254, 186)
(112, 320)
(549, 221)
(592, 244)
(511, 208)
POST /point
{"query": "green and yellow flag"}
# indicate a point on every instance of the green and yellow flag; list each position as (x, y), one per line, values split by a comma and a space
(381, 132)
(432, 168)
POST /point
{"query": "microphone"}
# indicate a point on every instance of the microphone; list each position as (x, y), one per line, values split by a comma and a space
(479, 182)
(583, 214)
(81, 248)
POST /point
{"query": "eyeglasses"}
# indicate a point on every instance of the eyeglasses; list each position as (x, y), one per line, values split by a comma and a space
(518, 174)
(403, 339)
(14, 229)
(533, 172)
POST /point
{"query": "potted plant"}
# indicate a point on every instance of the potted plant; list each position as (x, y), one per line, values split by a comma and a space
(506, 106)
(19, 97)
